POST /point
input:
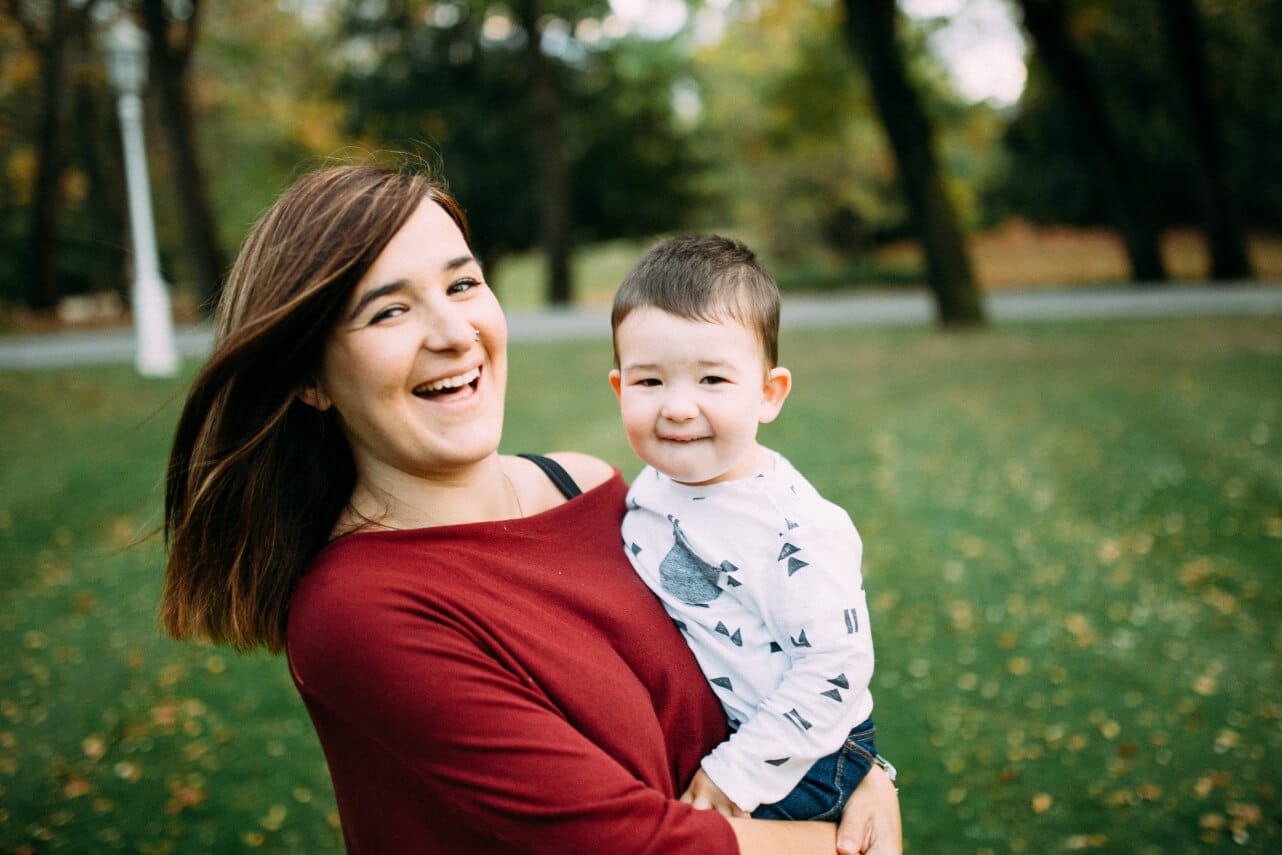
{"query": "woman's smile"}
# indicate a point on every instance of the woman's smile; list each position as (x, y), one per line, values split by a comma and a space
(449, 386)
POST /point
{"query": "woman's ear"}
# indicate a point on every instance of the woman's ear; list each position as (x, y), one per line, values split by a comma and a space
(777, 386)
(313, 396)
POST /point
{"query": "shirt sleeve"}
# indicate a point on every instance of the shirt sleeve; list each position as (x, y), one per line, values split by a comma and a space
(813, 601)
(421, 683)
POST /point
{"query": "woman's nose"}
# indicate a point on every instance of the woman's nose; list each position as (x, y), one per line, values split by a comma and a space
(448, 329)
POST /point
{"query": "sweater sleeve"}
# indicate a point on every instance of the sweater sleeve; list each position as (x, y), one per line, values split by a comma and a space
(420, 682)
(814, 604)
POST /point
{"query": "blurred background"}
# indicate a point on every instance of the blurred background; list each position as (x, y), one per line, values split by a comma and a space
(962, 144)
(1072, 526)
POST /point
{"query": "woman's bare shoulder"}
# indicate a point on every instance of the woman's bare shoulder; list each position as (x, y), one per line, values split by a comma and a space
(586, 470)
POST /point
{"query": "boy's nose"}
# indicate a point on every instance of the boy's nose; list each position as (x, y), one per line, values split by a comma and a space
(678, 408)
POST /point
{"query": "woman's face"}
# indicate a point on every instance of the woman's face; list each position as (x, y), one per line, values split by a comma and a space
(416, 366)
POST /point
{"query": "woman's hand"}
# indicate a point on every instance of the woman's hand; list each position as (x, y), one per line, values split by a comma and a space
(870, 824)
(705, 795)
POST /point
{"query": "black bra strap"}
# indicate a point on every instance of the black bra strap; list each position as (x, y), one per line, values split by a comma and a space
(556, 472)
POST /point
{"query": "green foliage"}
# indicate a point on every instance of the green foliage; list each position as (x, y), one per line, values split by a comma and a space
(1071, 546)
(259, 79)
(264, 83)
(804, 161)
(446, 84)
(93, 217)
(1044, 179)
(637, 169)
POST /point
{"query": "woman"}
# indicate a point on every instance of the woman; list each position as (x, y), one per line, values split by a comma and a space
(483, 669)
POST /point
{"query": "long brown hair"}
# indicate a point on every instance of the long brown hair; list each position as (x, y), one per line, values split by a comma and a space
(256, 478)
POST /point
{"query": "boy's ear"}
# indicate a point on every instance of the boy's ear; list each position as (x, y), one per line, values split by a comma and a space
(616, 381)
(777, 386)
(313, 396)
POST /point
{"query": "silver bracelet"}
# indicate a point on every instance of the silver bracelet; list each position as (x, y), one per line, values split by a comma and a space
(887, 767)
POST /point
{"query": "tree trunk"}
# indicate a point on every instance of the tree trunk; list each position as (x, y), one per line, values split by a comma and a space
(43, 289)
(98, 141)
(171, 45)
(1224, 234)
(1047, 22)
(551, 170)
(870, 32)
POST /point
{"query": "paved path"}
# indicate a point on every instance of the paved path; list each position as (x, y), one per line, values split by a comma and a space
(862, 309)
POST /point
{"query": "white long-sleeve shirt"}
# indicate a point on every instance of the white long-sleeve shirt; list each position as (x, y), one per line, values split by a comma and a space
(762, 575)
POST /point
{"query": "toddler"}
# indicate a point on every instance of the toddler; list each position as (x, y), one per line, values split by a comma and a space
(759, 571)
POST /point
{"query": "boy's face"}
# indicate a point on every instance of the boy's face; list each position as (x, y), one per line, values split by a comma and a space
(692, 394)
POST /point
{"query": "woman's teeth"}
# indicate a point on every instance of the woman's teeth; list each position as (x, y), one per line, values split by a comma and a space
(448, 384)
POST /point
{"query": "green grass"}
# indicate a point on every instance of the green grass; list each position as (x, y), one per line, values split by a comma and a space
(598, 269)
(1073, 538)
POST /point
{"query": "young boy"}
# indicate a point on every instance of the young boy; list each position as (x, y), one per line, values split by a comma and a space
(759, 572)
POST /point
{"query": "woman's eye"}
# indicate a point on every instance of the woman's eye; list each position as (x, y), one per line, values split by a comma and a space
(462, 285)
(387, 314)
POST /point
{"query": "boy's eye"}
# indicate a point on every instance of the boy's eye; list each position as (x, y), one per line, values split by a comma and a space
(649, 381)
(713, 380)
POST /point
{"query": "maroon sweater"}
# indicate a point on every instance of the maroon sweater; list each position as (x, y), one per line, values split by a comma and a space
(504, 687)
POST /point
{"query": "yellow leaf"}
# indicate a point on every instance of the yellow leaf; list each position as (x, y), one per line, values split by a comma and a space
(275, 818)
(76, 787)
(94, 747)
(127, 771)
(1108, 552)
(1149, 792)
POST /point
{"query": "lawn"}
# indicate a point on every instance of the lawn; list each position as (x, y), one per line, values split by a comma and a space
(1073, 539)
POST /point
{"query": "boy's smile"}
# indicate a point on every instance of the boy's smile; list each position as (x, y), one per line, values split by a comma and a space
(692, 393)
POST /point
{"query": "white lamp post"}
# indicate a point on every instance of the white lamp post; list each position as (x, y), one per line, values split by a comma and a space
(157, 355)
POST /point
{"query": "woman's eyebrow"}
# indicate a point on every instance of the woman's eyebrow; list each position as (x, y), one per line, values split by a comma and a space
(401, 284)
(373, 294)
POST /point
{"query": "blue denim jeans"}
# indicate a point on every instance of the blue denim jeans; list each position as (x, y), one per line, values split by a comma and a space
(822, 793)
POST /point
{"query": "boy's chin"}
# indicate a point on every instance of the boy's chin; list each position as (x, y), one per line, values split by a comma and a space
(700, 479)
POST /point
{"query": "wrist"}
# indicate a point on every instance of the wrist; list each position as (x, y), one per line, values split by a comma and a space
(886, 766)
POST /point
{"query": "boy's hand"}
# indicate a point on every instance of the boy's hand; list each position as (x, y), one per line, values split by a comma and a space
(705, 795)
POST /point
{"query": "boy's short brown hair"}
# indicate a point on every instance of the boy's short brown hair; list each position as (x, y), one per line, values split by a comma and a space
(703, 278)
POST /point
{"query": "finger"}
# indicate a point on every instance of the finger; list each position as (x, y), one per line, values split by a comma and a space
(885, 835)
(852, 840)
(853, 832)
(881, 843)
